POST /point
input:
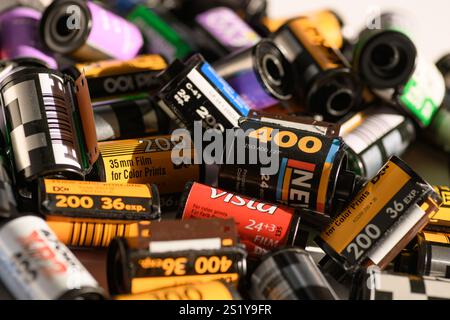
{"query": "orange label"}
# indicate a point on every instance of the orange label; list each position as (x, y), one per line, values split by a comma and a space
(437, 237)
(443, 214)
(112, 67)
(139, 285)
(308, 34)
(213, 290)
(265, 225)
(97, 188)
(146, 160)
(366, 205)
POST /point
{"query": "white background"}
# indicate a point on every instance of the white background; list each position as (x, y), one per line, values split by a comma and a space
(431, 18)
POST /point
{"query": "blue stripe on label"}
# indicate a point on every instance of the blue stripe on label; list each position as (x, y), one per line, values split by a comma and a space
(225, 89)
(281, 178)
(333, 150)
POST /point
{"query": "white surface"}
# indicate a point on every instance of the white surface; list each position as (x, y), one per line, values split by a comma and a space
(431, 19)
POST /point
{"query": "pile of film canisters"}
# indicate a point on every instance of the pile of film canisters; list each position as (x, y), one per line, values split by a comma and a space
(94, 93)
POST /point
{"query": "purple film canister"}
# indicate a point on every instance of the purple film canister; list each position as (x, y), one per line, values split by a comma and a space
(20, 36)
(227, 28)
(88, 32)
(261, 75)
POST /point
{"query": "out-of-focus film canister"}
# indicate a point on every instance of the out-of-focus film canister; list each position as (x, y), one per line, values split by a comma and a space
(35, 265)
(88, 32)
(175, 252)
(440, 221)
(373, 136)
(225, 31)
(192, 91)
(213, 290)
(147, 160)
(20, 36)
(324, 82)
(312, 165)
(129, 118)
(381, 219)
(50, 123)
(162, 33)
(433, 254)
(260, 74)
(289, 274)
(112, 78)
(376, 285)
(385, 55)
(260, 225)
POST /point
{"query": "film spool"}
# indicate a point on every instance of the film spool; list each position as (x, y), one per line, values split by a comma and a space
(260, 74)
(192, 91)
(52, 272)
(129, 118)
(261, 226)
(289, 274)
(391, 209)
(198, 251)
(41, 128)
(324, 82)
(20, 38)
(433, 257)
(373, 136)
(385, 56)
(82, 29)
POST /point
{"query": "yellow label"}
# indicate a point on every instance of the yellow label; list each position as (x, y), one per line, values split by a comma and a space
(140, 285)
(443, 214)
(71, 187)
(308, 34)
(113, 67)
(213, 290)
(366, 205)
(329, 27)
(146, 160)
(437, 237)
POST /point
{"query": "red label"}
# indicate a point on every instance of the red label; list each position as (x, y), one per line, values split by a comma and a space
(264, 225)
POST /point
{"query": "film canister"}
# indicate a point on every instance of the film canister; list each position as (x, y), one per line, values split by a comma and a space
(289, 274)
(385, 56)
(176, 252)
(222, 31)
(8, 204)
(162, 32)
(260, 225)
(20, 37)
(377, 285)
(381, 219)
(212, 290)
(112, 78)
(373, 136)
(421, 97)
(192, 91)
(440, 221)
(323, 80)
(260, 74)
(147, 160)
(91, 214)
(35, 265)
(49, 123)
(129, 118)
(433, 254)
(312, 163)
(88, 32)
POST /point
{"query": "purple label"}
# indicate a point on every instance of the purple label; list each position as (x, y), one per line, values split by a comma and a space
(113, 35)
(248, 87)
(228, 28)
(20, 36)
